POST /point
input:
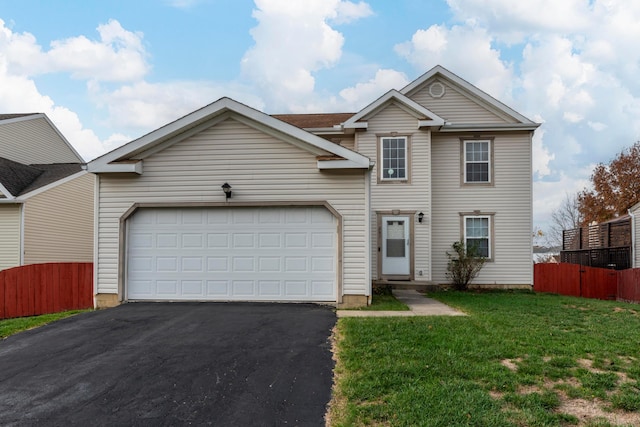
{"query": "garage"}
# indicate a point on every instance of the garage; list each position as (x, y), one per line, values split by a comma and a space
(273, 253)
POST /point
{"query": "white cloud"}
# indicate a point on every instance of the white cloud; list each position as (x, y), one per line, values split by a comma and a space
(118, 56)
(362, 94)
(144, 106)
(292, 41)
(548, 195)
(347, 11)
(461, 48)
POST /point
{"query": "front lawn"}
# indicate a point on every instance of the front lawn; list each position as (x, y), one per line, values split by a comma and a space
(518, 359)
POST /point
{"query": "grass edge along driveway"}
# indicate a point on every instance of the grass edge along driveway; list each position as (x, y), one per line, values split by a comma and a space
(518, 359)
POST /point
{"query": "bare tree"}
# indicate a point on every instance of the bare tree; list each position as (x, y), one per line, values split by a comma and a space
(565, 217)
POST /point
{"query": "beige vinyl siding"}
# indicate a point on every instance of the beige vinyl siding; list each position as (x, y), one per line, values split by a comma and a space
(412, 196)
(59, 223)
(457, 107)
(509, 199)
(34, 141)
(348, 142)
(259, 167)
(9, 235)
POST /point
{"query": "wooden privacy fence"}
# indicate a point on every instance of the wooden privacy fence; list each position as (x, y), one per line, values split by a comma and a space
(576, 280)
(45, 288)
(629, 285)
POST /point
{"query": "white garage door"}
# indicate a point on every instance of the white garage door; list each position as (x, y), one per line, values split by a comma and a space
(220, 254)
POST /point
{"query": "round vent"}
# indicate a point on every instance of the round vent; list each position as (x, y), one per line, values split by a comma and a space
(436, 90)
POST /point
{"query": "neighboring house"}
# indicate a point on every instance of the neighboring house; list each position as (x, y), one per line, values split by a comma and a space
(321, 205)
(46, 195)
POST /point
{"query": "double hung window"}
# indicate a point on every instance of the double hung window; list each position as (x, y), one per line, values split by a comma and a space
(477, 161)
(394, 159)
(477, 234)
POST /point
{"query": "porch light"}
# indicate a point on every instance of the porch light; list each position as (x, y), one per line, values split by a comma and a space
(420, 217)
(227, 190)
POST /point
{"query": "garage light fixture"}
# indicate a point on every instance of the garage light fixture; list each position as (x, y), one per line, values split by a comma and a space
(227, 190)
(420, 217)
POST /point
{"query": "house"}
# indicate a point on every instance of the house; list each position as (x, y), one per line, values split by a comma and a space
(229, 203)
(46, 195)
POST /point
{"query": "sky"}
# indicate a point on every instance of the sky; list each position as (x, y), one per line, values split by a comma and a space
(107, 72)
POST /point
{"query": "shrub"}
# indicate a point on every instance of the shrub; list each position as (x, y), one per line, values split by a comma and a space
(464, 265)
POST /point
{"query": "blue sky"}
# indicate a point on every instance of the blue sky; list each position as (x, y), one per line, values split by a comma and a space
(109, 71)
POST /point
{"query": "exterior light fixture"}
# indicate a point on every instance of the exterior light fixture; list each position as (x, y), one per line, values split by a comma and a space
(227, 190)
(420, 217)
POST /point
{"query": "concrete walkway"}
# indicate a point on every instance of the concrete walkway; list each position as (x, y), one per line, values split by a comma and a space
(419, 305)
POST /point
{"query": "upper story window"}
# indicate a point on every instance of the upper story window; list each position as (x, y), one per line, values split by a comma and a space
(477, 161)
(393, 156)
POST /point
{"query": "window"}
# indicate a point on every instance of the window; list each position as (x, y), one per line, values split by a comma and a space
(477, 161)
(477, 234)
(394, 159)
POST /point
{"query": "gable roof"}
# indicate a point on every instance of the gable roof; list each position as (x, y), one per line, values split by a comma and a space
(129, 157)
(17, 179)
(442, 72)
(423, 115)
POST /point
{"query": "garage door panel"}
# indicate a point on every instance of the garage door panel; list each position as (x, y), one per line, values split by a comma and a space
(232, 254)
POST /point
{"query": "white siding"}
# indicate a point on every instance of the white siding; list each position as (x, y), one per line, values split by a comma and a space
(509, 199)
(412, 196)
(59, 223)
(259, 168)
(9, 235)
(34, 141)
(456, 106)
(635, 234)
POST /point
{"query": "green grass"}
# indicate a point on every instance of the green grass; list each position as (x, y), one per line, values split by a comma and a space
(386, 302)
(513, 361)
(13, 326)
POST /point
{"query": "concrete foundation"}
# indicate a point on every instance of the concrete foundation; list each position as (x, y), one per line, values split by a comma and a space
(353, 301)
(106, 300)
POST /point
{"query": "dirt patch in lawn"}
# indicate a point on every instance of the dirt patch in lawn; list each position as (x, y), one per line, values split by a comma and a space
(587, 411)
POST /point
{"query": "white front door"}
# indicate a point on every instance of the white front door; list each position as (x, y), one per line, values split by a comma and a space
(395, 247)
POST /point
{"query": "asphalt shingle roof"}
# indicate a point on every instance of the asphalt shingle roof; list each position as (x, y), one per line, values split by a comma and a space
(20, 179)
(310, 121)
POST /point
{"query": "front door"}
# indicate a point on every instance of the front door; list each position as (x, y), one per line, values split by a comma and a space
(395, 247)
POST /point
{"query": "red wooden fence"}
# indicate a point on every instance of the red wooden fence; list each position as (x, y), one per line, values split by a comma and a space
(629, 285)
(575, 280)
(45, 288)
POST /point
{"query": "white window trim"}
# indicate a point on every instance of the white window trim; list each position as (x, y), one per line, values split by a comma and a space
(406, 159)
(489, 161)
(489, 231)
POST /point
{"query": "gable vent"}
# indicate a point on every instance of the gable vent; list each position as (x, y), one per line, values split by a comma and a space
(436, 90)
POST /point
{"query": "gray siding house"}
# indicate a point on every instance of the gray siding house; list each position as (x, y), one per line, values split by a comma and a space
(317, 206)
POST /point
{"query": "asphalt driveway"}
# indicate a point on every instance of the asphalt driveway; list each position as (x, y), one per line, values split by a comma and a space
(172, 364)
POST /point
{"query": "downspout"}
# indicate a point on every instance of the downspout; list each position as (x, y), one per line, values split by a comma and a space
(633, 239)
(22, 208)
(367, 235)
(96, 228)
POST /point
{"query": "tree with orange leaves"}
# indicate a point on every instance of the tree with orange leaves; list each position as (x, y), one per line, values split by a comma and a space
(616, 187)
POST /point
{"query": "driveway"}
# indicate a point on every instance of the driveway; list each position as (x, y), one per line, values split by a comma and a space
(172, 364)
